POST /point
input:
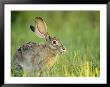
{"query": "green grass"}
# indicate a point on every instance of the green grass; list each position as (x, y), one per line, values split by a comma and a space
(79, 31)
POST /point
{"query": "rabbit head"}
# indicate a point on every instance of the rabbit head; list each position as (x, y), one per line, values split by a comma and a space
(40, 30)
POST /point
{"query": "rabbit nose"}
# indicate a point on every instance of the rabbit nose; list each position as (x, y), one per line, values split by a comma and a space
(63, 49)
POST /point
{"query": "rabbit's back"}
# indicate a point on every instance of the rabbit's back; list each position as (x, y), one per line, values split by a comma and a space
(34, 56)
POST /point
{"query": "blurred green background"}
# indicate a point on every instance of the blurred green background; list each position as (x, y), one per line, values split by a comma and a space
(79, 31)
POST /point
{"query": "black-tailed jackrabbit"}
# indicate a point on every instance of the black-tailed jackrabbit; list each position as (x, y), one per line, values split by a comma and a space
(33, 56)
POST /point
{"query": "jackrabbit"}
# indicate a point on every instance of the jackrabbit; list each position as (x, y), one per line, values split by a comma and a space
(33, 56)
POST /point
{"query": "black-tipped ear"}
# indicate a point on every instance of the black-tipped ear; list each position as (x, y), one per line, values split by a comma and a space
(32, 28)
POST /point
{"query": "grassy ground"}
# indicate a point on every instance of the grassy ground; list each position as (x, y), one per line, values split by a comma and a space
(79, 32)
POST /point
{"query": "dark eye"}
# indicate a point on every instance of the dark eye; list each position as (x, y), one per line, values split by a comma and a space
(54, 41)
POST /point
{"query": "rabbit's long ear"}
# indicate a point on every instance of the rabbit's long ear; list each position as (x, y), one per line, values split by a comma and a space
(40, 27)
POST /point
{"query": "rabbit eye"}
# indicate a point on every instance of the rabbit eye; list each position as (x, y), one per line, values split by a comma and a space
(54, 42)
